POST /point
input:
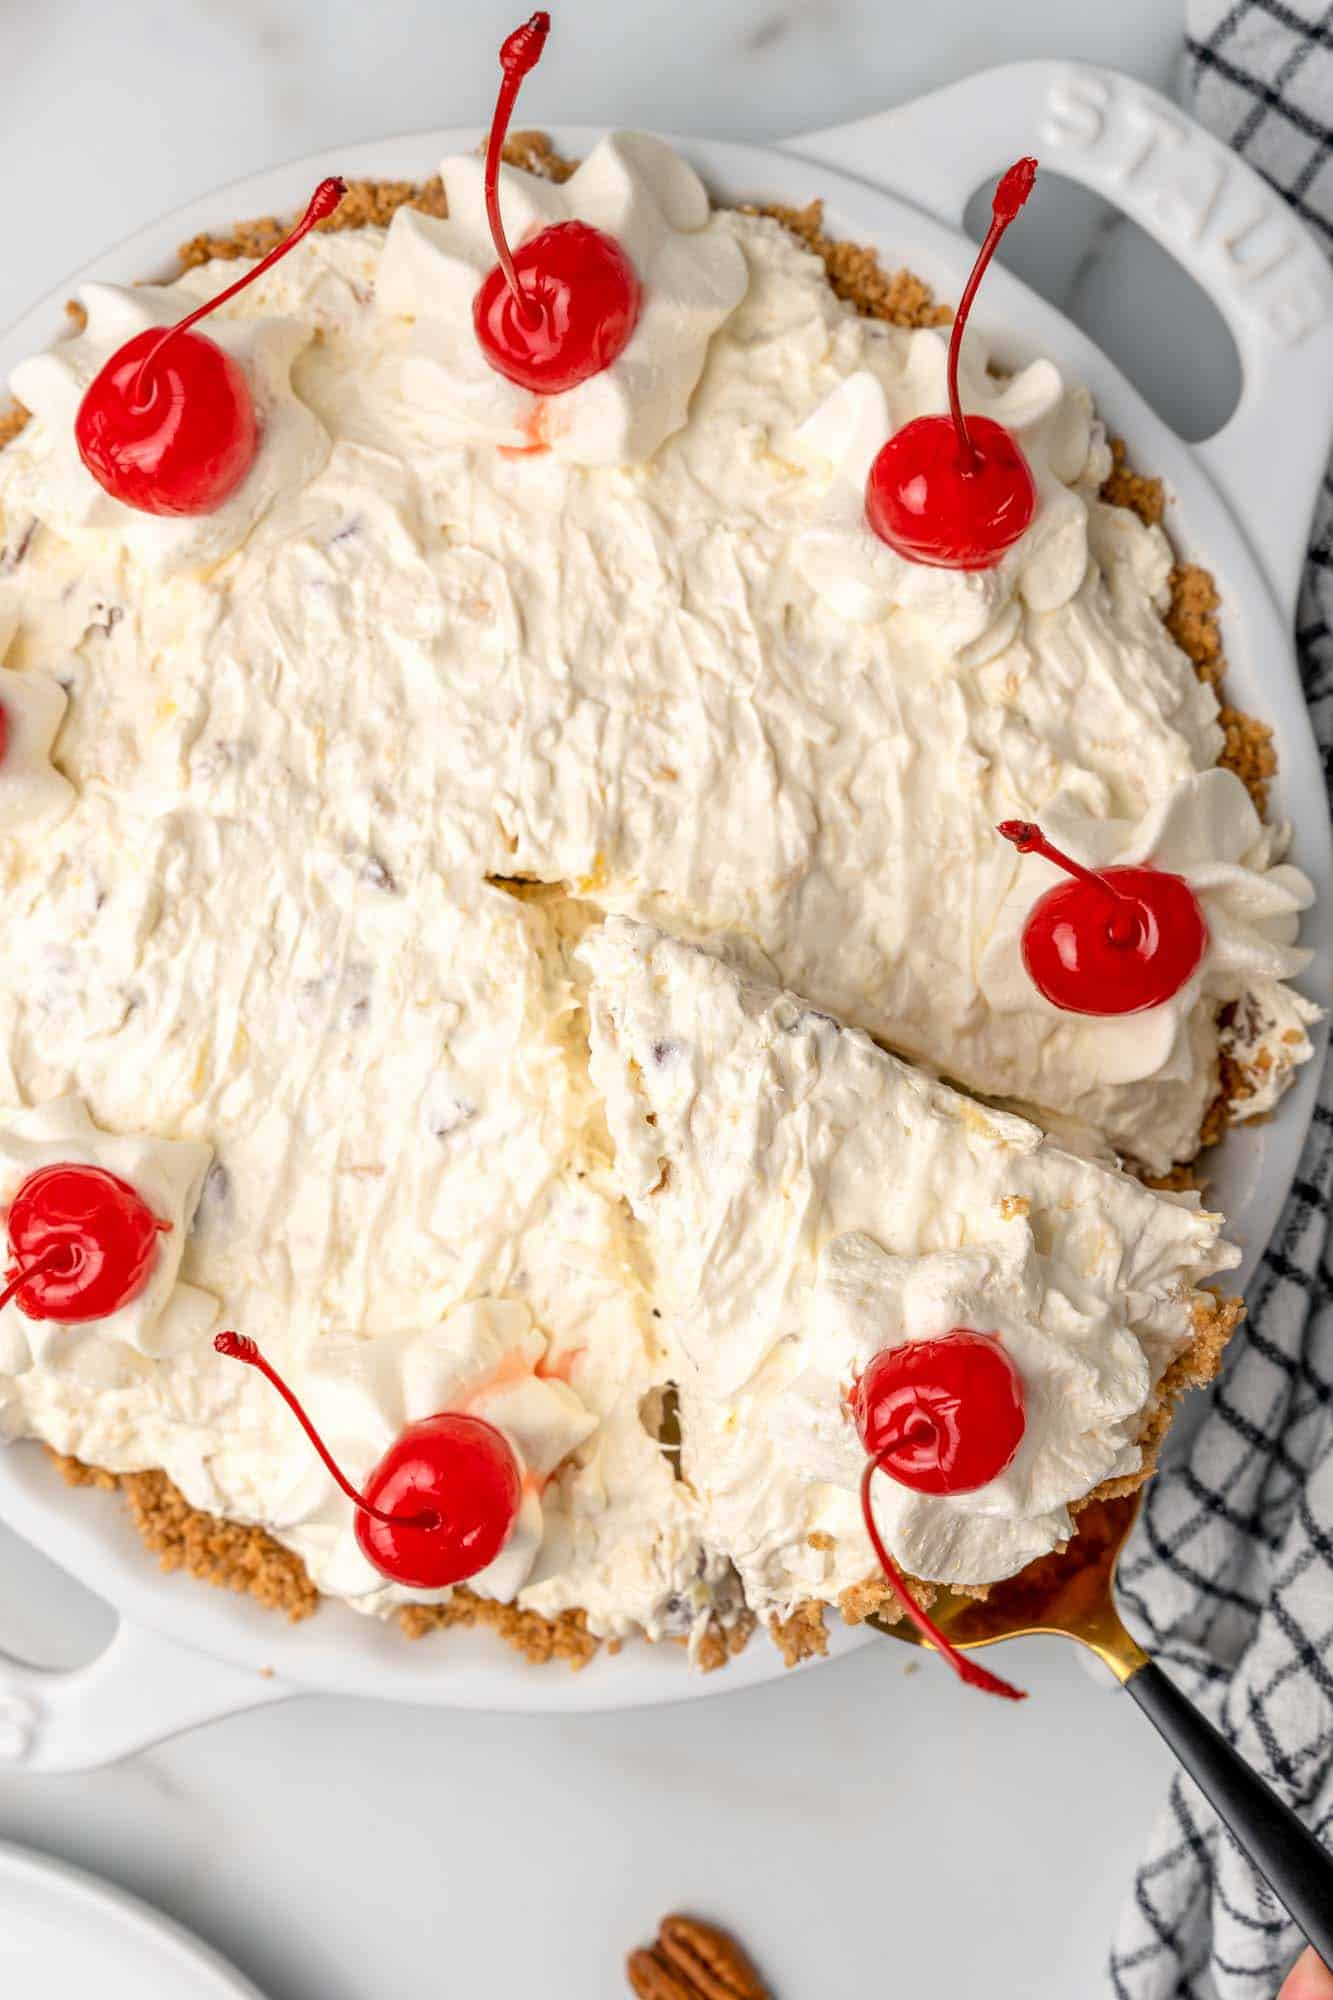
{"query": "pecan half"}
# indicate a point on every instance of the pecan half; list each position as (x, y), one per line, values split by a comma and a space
(694, 1961)
(651, 1979)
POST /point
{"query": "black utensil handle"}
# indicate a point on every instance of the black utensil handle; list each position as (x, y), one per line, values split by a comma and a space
(1297, 1868)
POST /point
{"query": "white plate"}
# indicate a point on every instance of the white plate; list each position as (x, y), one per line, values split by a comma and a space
(183, 1654)
(64, 1935)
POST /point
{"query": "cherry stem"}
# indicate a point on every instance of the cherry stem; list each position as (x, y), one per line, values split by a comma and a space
(322, 203)
(48, 1261)
(1124, 927)
(519, 53)
(1012, 192)
(966, 1670)
(237, 1347)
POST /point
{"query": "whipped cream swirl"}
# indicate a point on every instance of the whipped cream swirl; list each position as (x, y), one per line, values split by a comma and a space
(1085, 1380)
(1207, 830)
(483, 1358)
(52, 481)
(692, 271)
(862, 578)
(166, 1316)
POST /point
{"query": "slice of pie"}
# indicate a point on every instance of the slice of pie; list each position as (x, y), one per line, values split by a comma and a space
(809, 1201)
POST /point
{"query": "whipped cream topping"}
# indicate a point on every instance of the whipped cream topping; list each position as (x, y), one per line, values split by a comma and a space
(633, 188)
(484, 1358)
(166, 1316)
(390, 1073)
(265, 922)
(619, 677)
(1207, 830)
(1085, 1376)
(51, 480)
(808, 1200)
(32, 706)
(862, 578)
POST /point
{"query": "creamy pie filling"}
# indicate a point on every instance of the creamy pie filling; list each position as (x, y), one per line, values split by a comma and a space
(270, 918)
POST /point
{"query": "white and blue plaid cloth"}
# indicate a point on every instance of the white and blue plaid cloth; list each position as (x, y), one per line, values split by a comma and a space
(1230, 1577)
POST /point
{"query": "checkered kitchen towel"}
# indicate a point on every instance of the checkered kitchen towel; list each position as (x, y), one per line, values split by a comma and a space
(1230, 1579)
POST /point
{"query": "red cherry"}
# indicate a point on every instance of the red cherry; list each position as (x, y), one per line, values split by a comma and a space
(587, 298)
(956, 491)
(939, 1416)
(4, 732)
(933, 504)
(442, 1502)
(175, 437)
(1112, 941)
(565, 306)
(943, 1416)
(459, 1470)
(84, 1244)
(168, 425)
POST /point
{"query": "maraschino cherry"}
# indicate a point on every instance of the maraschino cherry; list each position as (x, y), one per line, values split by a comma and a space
(1113, 940)
(939, 1416)
(442, 1502)
(4, 732)
(956, 492)
(564, 306)
(168, 425)
(84, 1243)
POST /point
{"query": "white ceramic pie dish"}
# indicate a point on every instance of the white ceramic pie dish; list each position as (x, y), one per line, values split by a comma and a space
(182, 1654)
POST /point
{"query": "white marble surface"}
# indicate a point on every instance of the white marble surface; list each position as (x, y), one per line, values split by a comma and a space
(850, 1822)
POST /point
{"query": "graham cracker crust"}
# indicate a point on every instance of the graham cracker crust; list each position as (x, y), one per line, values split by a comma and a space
(856, 274)
(1191, 619)
(234, 1556)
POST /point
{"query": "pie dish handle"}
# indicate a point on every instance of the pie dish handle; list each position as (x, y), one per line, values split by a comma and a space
(141, 1690)
(1223, 223)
